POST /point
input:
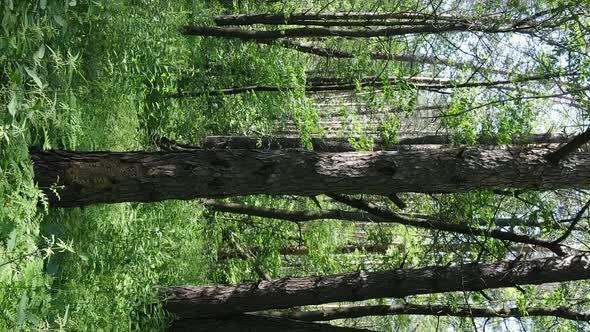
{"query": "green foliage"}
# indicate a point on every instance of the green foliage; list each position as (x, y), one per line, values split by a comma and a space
(461, 123)
(121, 257)
(388, 130)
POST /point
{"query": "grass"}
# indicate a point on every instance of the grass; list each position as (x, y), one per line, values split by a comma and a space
(70, 80)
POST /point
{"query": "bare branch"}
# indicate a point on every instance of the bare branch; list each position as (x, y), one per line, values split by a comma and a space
(572, 226)
(444, 226)
(570, 147)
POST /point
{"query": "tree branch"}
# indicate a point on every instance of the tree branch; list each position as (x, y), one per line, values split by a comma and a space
(572, 226)
(340, 54)
(354, 216)
(570, 147)
(447, 227)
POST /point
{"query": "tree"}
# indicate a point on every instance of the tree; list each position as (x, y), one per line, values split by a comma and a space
(386, 18)
(341, 144)
(378, 55)
(81, 178)
(221, 301)
(341, 24)
(431, 310)
(324, 84)
(247, 323)
(380, 215)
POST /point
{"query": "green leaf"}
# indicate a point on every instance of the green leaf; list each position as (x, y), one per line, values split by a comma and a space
(40, 53)
(38, 105)
(6, 228)
(11, 243)
(21, 313)
(35, 77)
(12, 105)
(60, 20)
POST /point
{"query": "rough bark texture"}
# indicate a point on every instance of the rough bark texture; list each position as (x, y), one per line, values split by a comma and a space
(311, 32)
(374, 18)
(341, 144)
(83, 178)
(570, 147)
(303, 250)
(303, 18)
(220, 301)
(432, 310)
(251, 323)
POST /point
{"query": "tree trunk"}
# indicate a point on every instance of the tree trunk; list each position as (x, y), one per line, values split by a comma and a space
(341, 144)
(431, 310)
(329, 84)
(340, 54)
(341, 17)
(372, 18)
(81, 178)
(220, 301)
(313, 32)
(303, 250)
(252, 323)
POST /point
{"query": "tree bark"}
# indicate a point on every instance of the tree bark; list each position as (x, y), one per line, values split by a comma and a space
(373, 18)
(81, 178)
(252, 323)
(341, 144)
(431, 310)
(313, 32)
(570, 147)
(221, 301)
(303, 250)
(303, 18)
